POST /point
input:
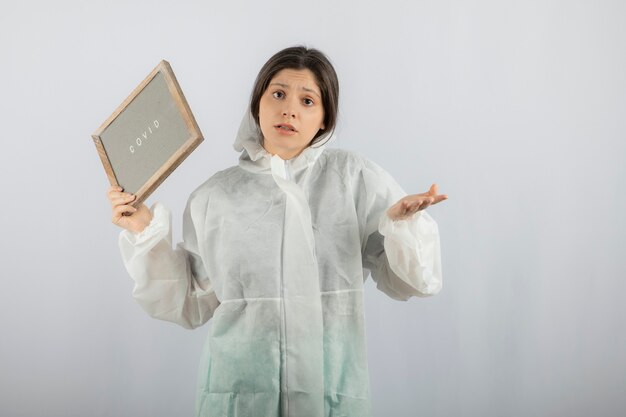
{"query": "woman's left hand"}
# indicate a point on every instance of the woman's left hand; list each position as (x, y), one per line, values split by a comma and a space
(411, 204)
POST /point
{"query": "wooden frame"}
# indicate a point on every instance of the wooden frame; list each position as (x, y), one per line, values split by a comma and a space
(139, 161)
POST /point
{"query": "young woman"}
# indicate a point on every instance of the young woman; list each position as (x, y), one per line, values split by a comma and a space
(276, 250)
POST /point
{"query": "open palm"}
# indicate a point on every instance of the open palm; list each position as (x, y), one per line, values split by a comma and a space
(411, 204)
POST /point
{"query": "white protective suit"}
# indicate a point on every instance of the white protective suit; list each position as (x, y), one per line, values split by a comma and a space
(276, 252)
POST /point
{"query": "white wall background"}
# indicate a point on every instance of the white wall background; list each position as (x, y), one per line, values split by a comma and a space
(515, 108)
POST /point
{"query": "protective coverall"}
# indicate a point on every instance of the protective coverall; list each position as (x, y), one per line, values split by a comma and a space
(276, 253)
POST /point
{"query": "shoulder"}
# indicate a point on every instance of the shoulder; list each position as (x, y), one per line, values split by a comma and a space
(363, 172)
(214, 183)
(344, 158)
(349, 161)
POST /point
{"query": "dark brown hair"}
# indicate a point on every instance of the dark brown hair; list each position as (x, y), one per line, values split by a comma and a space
(298, 58)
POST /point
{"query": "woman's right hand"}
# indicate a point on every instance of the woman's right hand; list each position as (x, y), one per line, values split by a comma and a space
(137, 219)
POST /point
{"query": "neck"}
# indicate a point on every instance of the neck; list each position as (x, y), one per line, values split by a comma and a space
(285, 154)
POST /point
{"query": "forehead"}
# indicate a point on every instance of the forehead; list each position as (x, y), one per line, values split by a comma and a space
(296, 78)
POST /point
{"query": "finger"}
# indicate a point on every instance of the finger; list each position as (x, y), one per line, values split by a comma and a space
(406, 206)
(118, 194)
(114, 188)
(440, 198)
(415, 207)
(117, 219)
(427, 202)
(120, 210)
(111, 193)
(118, 199)
(123, 200)
(424, 203)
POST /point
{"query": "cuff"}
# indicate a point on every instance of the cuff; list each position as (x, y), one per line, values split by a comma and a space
(408, 232)
(158, 227)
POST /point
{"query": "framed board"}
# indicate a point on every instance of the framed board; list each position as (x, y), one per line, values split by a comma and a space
(148, 135)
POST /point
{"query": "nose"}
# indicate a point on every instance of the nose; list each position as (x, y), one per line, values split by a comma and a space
(289, 109)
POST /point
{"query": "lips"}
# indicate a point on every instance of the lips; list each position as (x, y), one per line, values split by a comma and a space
(286, 127)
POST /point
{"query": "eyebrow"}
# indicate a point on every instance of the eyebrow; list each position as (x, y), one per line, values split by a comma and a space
(304, 88)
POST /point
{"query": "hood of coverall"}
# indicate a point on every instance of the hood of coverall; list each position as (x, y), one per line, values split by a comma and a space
(255, 158)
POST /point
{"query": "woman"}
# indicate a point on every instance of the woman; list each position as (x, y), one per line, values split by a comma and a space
(276, 251)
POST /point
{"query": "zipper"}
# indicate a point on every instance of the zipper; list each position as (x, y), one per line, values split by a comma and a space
(287, 171)
(285, 396)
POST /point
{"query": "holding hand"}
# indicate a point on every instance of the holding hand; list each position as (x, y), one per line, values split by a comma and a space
(411, 204)
(135, 219)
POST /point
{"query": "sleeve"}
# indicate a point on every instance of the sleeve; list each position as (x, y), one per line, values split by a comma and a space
(403, 256)
(170, 284)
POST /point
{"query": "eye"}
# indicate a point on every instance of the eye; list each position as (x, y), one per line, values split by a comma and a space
(308, 102)
(278, 94)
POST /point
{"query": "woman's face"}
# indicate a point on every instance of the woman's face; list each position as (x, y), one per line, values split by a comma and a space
(290, 112)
